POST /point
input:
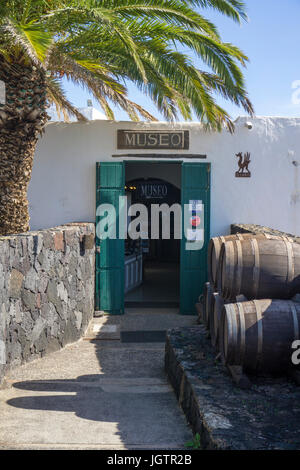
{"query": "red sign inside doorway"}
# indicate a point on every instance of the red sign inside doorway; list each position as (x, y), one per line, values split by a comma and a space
(195, 221)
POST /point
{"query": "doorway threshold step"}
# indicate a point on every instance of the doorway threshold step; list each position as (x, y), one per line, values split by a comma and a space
(151, 304)
(143, 336)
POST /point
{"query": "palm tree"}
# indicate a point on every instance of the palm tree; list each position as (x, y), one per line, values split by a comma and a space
(101, 45)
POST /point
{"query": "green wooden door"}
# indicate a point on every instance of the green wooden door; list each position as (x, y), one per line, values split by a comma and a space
(110, 182)
(195, 192)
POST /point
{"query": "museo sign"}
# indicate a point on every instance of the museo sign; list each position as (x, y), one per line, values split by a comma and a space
(153, 140)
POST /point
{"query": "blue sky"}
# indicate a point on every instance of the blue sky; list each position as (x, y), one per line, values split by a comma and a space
(271, 40)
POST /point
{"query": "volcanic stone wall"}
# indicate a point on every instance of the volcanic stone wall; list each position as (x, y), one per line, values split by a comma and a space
(46, 291)
(251, 228)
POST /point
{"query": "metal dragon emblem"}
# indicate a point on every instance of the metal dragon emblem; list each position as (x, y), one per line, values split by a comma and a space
(244, 161)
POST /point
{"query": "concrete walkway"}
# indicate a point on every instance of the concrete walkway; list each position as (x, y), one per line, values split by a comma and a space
(100, 393)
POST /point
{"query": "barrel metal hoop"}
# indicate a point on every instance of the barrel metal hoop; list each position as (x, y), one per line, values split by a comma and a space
(242, 331)
(217, 318)
(239, 267)
(232, 331)
(256, 268)
(215, 324)
(231, 265)
(259, 332)
(291, 262)
(207, 303)
(295, 320)
(218, 247)
(220, 241)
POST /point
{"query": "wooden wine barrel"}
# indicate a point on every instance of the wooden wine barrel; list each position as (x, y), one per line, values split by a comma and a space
(217, 305)
(259, 269)
(207, 296)
(214, 250)
(258, 335)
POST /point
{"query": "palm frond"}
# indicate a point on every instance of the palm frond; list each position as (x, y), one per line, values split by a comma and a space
(101, 45)
(34, 41)
(232, 8)
(57, 96)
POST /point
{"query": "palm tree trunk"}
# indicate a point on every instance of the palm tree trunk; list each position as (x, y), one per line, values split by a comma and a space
(22, 119)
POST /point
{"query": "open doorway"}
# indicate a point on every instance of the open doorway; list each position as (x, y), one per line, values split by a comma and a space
(152, 266)
(193, 180)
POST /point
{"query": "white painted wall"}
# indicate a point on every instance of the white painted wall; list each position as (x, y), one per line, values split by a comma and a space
(62, 188)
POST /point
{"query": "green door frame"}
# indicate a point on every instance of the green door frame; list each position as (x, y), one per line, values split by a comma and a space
(195, 191)
(109, 282)
(109, 285)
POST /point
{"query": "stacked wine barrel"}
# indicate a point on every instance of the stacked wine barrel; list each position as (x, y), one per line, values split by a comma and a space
(247, 303)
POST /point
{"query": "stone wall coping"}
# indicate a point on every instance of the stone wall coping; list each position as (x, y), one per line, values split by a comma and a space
(253, 228)
(59, 228)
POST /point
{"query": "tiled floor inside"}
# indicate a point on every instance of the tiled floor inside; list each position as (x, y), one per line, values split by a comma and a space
(160, 284)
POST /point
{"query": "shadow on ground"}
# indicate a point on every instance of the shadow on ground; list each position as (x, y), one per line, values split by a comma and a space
(99, 392)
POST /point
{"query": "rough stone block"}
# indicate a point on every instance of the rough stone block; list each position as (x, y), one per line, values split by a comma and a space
(71, 238)
(29, 299)
(89, 241)
(16, 281)
(78, 321)
(59, 241)
(53, 295)
(2, 278)
(15, 311)
(31, 280)
(62, 292)
(38, 328)
(38, 301)
(2, 352)
(48, 240)
(42, 283)
(37, 243)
